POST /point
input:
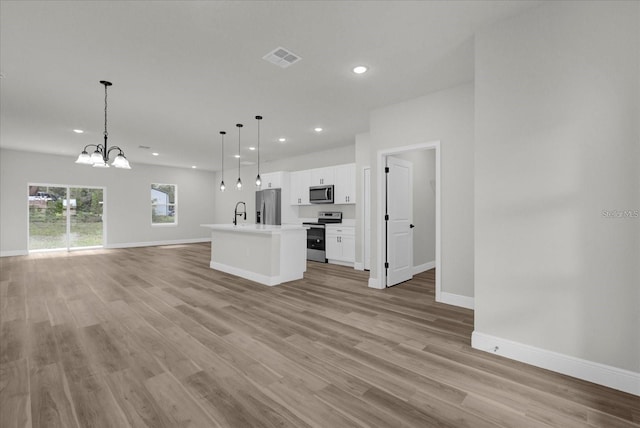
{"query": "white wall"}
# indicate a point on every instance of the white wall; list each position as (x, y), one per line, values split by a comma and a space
(128, 205)
(446, 116)
(424, 204)
(227, 200)
(557, 143)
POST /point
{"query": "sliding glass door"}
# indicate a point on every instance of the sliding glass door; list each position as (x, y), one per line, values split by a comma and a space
(65, 218)
(85, 221)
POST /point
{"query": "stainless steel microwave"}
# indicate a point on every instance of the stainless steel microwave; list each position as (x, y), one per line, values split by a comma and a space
(321, 194)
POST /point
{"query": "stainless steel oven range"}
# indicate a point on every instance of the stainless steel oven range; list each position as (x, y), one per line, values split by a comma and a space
(316, 235)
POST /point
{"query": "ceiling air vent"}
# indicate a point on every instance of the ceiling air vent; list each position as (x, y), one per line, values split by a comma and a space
(282, 57)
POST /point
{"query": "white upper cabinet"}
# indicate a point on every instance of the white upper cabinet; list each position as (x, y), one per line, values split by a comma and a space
(300, 182)
(272, 180)
(343, 178)
(322, 176)
(345, 184)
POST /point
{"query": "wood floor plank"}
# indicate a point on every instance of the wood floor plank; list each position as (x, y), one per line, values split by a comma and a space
(180, 407)
(50, 404)
(14, 338)
(42, 345)
(135, 400)
(221, 401)
(356, 409)
(94, 403)
(15, 404)
(305, 405)
(153, 337)
(12, 308)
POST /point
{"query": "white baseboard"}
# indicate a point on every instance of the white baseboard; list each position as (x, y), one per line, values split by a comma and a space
(158, 243)
(339, 262)
(612, 377)
(123, 245)
(13, 253)
(456, 300)
(358, 266)
(424, 267)
(253, 276)
(374, 283)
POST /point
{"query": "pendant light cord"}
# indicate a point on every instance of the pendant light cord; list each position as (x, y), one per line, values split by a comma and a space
(239, 126)
(239, 182)
(222, 133)
(258, 143)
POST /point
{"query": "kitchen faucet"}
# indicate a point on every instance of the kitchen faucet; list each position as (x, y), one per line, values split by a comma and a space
(236, 213)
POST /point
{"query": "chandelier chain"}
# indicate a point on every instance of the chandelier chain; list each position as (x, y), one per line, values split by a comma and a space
(105, 111)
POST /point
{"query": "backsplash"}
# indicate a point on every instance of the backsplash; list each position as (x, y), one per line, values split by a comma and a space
(311, 211)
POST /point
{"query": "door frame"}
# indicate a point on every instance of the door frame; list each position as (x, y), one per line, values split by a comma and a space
(366, 207)
(381, 156)
(68, 248)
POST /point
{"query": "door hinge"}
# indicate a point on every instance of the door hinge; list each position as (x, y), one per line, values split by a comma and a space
(386, 170)
(386, 265)
(386, 217)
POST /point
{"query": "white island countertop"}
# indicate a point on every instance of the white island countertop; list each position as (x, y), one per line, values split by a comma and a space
(254, 228)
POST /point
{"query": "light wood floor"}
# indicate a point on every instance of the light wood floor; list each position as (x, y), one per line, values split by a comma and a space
(151, 337)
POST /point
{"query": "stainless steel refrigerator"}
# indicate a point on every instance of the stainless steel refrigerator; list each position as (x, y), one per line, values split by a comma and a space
(268, 206)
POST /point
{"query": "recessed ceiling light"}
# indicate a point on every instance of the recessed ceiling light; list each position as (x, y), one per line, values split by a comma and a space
(78, 131)
(236, 156)
(252, 148)
(360, 69)
(155, 154)
(282, 140)
(317, 129)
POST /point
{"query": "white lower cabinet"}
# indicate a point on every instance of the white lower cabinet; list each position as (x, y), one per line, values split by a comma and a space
(340, 245)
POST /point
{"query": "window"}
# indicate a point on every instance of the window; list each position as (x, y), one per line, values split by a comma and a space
(164, 199)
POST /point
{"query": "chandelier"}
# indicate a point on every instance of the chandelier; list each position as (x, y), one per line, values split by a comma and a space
(100, 157)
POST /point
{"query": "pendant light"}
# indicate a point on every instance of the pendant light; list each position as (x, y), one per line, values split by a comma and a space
(222, 186)
(258, 179)
(239, 182)
(100, 157)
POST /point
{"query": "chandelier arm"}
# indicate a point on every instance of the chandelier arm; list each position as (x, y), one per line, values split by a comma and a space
(114, 148)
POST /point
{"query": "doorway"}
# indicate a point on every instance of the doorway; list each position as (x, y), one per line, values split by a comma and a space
(65, 217)
(385, 252)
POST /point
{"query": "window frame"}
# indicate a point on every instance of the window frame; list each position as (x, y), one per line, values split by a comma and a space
(174, 223)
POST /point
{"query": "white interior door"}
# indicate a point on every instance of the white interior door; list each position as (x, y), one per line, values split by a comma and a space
(366, 248)
(399, 207)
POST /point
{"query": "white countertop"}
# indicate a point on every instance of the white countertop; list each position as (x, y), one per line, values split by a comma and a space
(254, 228)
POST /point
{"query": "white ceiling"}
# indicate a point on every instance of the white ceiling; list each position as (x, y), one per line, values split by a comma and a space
(185, 70)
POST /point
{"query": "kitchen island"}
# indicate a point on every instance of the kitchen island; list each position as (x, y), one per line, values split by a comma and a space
(262, 253)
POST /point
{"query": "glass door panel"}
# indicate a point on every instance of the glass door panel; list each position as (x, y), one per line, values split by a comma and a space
(47, 218)
(85, 217)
